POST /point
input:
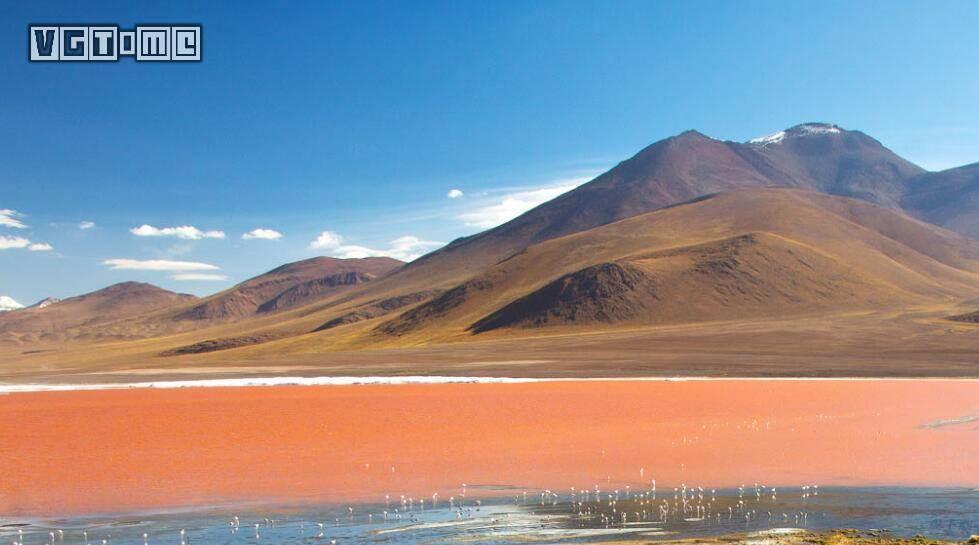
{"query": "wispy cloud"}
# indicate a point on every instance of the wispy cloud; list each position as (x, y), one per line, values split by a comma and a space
(501, 209)
(8, 218)
(186, 232)
(204, 277)
(157, 265)
(454, 193)
(262, 234)
(8, 243)
(406, 248)
(86, 225)
(16, 243)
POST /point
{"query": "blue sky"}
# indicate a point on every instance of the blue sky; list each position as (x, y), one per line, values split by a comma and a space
(357, 119)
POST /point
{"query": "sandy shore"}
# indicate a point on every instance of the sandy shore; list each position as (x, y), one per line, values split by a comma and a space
(81, 452)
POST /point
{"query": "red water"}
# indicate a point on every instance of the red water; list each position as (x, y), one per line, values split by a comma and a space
(121, 450)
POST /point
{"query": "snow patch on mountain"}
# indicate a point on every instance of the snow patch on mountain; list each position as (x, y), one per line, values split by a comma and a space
(46, 302)
(8, 303)
(806, 129)
(770, 139)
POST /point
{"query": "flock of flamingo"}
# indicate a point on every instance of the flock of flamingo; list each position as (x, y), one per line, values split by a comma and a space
(587, 506)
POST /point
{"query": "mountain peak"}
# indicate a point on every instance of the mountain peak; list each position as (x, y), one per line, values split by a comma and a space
(129, 287)
(46, 302)
(815, 128)
(691, 134)
(801, 130)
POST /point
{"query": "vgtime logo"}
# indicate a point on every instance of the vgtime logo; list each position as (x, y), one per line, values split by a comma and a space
(97, 43)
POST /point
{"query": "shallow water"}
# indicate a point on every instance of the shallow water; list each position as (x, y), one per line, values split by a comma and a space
(938, 513)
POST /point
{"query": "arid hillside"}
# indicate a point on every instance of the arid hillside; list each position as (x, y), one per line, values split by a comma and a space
(949, 198)
(133, 310)
(697, 253)
(101, 315)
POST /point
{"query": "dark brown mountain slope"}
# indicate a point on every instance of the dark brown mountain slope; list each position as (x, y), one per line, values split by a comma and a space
(971, 317)
(949, 198)
(814, 156)
(829, 159)
(756, 274)
(748, 253)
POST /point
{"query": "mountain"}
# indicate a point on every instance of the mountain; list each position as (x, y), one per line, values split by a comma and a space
(133, 310)
(829, 159)
(288, 286)
(8, 304)
(816, 156)
(805, 242)
(949, 198)
(731, 256)
(46, 302)
(100, 315)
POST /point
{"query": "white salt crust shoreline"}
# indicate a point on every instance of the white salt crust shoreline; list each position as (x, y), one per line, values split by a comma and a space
(400, 380)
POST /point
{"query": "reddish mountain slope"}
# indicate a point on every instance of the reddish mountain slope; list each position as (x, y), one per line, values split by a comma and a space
(748, 253)
(814, 156)
(99, 315)
(288, 286)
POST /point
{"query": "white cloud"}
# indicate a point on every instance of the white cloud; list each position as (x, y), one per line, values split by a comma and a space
(410, 248)
(198, 276)
(186, 232)
(327, 240)
(16, 243)
(455, 193)
(511, 205)
(8, 218)
(262, 234)
(86, 225)
(157, 265)
(7, 243)
(406, 248)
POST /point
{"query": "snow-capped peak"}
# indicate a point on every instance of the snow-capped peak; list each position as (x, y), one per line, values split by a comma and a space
(46, 302)
(805, 129)
(815, 128)
(770, 139)
(8, 303)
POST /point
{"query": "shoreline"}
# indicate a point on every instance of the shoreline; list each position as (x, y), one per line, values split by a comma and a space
(290, 507)
(273, 381)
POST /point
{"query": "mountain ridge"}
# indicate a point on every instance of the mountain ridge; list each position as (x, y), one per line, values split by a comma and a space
(815, 220)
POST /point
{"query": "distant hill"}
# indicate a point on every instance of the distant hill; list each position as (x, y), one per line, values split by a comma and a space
(288, 286)
(949, 198)
(92, 316)
(135, 310)
(46, 302)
